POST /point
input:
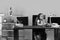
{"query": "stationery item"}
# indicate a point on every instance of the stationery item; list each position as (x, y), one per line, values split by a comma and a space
(55, 25)
(19, 25)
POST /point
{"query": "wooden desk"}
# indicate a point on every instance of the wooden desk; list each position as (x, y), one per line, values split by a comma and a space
(16, 29)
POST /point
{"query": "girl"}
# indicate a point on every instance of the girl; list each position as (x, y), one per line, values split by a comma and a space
(40, 34)
(40, 19)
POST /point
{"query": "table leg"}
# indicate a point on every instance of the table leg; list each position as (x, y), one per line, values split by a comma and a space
(16, 34)
(55, 34)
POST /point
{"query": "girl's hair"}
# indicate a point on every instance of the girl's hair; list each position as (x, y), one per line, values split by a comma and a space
(40, 15)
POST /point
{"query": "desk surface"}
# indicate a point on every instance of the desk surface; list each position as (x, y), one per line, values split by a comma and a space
(33, 27)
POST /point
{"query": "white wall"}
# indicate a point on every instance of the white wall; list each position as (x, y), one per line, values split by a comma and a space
(30, 7)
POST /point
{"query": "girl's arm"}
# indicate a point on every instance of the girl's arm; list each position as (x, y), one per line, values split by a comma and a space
(39, 23)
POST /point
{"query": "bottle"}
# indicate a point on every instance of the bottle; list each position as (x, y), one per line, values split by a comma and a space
(10, 11)
(11, 16)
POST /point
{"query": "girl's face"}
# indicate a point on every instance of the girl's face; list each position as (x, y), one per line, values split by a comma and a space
(41, 17)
